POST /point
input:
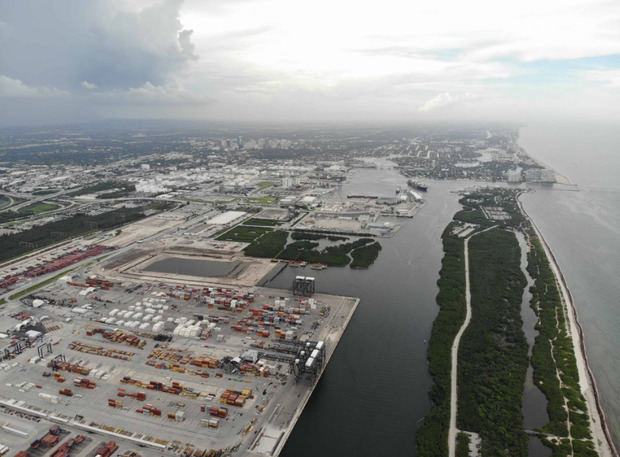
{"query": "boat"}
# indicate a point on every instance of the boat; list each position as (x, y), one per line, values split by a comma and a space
(318, 266)
(293, 263)
(417, 185)
(373, 197)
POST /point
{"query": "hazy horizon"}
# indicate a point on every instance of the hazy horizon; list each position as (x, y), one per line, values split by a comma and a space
(273, 61)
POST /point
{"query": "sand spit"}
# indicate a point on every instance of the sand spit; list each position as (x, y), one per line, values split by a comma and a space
(600, 430)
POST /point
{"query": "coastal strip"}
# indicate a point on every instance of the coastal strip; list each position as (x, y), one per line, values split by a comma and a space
(600, 429)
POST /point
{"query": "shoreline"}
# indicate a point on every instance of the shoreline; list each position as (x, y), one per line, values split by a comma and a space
(599, 428)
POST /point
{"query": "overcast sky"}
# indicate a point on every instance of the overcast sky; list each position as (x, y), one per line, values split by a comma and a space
(320, 60)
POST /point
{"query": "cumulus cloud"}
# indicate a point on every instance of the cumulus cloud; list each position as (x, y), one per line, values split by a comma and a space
(73, 44)
(171, 94)
(14, 88)
(262, 59)
(89, 85)
(444, 99)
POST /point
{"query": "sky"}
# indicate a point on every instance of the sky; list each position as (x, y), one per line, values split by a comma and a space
(309, 61)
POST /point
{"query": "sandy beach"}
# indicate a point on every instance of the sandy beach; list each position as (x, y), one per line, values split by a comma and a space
(598, 425)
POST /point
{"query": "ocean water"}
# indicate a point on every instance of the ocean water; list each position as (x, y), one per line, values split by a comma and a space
(582, 226)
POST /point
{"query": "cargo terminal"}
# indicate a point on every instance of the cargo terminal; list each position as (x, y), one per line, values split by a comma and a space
(138, 366)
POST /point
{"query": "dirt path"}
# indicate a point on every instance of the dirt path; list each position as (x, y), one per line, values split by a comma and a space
(453, 431)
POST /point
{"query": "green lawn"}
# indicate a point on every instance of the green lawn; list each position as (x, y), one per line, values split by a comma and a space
(37, 286)
(264, 184)
(37, 208)
(266, 200)
(269, 245)
(263, 222)
(243, 234)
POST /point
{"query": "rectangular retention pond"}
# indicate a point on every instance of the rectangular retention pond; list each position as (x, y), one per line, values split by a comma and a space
(193, 267)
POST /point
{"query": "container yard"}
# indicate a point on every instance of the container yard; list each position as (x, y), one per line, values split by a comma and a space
(57, 263)
(159, 368)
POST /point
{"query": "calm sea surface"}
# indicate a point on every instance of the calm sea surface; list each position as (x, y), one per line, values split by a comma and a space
(583, 229)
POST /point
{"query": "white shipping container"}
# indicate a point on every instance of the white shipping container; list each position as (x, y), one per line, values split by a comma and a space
(48, 397)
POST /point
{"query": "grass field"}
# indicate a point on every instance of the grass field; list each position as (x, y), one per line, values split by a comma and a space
(269, 245)
(263, 222)
(243, 234)
(37, 208)
(266, 200)
(264, 184)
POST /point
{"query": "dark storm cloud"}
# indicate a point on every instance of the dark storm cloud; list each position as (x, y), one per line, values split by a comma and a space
(63, 43)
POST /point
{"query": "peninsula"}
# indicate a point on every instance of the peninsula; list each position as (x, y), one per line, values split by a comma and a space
(478, 353)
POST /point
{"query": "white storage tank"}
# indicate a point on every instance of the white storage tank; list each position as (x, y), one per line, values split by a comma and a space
(158, 326)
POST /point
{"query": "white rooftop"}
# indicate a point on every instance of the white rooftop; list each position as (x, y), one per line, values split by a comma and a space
(226, 217)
